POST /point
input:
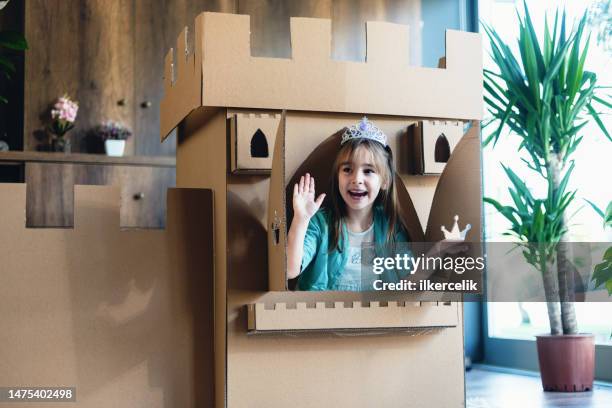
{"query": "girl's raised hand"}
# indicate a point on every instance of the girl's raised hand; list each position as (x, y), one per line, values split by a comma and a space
(304, 203)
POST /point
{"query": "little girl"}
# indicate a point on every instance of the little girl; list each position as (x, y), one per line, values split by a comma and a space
(324, 245)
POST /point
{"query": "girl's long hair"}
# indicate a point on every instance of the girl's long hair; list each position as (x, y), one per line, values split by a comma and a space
(387, 197)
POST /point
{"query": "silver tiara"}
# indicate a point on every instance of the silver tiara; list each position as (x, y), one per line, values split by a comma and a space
(364, 130)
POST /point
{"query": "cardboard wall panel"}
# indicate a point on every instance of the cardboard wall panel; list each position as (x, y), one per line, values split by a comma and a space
(276, 224)
(459, 190)
(369, 369)
(123, 316)
(202, 163)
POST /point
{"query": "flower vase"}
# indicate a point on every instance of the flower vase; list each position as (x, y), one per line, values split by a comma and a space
(114, 148)
(60, 144)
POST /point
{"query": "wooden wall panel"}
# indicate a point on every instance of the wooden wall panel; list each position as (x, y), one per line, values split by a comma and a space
(82, 49)
(107, 64)
(270, 36)
(11, 116)
(107, 55)
(349, 18)
(158, 24)
(50, 192)
(52, 62)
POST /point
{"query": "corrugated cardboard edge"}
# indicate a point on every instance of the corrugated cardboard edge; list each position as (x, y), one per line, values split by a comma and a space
(373, 316)
(277, 214)
(415, 136)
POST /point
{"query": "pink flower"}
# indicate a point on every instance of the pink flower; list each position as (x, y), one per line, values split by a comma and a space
(64, 110)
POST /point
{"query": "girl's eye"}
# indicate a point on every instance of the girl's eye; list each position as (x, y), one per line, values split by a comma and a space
(369, 171)
(346, 169)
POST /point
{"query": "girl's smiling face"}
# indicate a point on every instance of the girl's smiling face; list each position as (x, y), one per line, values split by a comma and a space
(359, 180)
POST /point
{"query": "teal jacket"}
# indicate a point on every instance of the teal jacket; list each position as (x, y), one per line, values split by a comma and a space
(321, 268)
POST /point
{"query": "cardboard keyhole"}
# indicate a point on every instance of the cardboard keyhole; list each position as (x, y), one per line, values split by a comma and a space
(442, 149)
(259, 145)
(276, 228)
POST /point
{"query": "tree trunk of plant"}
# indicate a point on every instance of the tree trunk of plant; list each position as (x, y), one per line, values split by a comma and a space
(552, 299)
(565, 269)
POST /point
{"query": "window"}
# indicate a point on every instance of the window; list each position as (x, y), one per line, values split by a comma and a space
(591, 176)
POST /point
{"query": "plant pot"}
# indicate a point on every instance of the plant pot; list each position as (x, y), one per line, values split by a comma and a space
(114, 148)
(567, 362)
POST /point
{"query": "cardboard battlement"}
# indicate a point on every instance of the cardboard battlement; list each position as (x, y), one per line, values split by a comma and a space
(94, 206)
(221, 72)
(339, 316)
(106, 310)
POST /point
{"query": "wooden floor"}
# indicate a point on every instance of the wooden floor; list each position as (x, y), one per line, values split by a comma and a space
(490, 389)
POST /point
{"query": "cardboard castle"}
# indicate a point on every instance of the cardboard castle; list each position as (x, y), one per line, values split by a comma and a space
(240, 118)
(200, 315)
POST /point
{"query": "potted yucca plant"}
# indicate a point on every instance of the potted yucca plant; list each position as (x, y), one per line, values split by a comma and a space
(545, 97)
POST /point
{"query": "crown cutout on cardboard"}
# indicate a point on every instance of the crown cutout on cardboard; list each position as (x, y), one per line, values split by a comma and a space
(455, 233)
(222, 73)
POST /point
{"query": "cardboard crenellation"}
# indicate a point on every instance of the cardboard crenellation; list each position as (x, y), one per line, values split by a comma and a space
(182, 80)
(223, 73)
(352, 304)
(374, 315)
(15, 215)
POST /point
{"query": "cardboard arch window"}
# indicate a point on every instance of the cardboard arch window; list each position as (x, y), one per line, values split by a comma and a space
(317, 161)
(252, 138)
(432, 143)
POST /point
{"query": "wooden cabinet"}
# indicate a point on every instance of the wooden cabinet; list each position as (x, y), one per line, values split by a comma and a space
(51, 177)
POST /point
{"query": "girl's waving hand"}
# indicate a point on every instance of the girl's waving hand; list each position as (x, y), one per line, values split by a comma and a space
(304, 204)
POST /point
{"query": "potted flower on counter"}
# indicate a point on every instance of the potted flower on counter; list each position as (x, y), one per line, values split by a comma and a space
(63, 116)
(114, 135)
